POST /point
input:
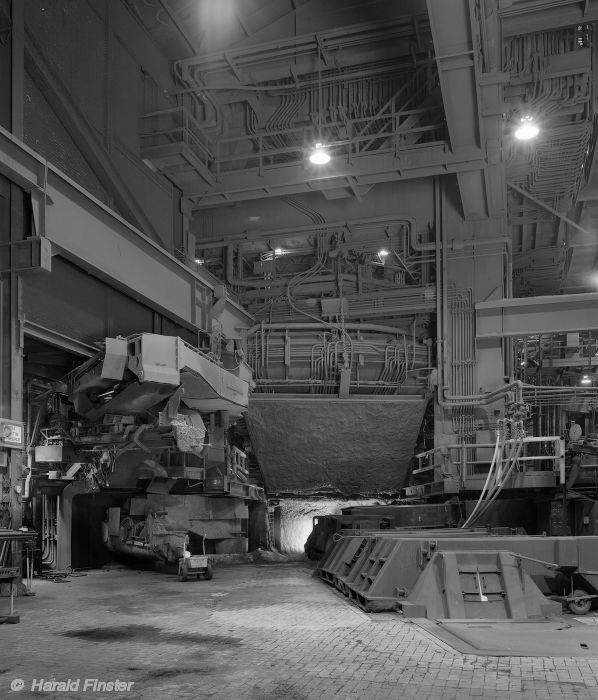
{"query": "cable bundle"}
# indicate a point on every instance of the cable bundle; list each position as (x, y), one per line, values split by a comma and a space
(501, 467)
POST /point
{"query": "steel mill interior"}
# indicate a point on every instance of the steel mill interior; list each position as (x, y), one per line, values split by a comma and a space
(299, 349)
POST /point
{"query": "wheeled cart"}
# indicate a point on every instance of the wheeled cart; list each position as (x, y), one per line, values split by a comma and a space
(195, 564)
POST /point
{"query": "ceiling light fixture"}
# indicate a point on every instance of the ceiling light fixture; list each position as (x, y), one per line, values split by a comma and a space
(319, 156)
(199, 261)
(527, 129)
(586, 379)
(383, 253)
(277, 251)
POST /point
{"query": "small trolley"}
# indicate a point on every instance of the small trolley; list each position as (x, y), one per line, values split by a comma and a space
(195, 564)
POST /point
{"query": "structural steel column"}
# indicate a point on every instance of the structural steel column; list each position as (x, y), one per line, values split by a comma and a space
(17, 67)
(13, 224)
(12, 355)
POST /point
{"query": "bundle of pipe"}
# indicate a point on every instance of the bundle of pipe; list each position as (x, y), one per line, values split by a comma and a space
(49, 532)
(499, 472)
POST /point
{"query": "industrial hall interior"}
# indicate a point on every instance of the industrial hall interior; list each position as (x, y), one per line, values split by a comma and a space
(298, 349)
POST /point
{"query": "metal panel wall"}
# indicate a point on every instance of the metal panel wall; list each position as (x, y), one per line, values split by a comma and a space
(43, 131)
(89, 62)
(69, 29)
(79, 306)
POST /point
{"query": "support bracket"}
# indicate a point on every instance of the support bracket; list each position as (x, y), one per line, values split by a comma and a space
(30, 255)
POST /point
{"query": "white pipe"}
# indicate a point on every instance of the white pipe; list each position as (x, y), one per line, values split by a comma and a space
(307, 229)
(315, 326)
(455, 244)
(26, 494)
(481, 399)
(499, 487)
(439, 328)
(498, 450)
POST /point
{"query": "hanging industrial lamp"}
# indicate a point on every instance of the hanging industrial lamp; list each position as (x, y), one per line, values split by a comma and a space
(527, 129)
(319, 155)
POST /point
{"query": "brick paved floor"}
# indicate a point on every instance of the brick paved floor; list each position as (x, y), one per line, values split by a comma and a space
(256, 632)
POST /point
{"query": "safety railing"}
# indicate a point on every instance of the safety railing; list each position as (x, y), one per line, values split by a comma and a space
(174, 126)
(469, 462)
(394, 134)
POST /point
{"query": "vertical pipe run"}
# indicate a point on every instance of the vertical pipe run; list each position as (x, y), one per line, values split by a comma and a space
(439, 290)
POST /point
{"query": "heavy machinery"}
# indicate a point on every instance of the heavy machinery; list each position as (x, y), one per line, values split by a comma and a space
(138, 438)
(463, 573)
(357, 518)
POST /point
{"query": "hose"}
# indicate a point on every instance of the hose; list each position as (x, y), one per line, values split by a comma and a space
(492, 495)
(498, 450)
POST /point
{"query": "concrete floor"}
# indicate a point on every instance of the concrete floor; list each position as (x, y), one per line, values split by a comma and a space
(256, 631)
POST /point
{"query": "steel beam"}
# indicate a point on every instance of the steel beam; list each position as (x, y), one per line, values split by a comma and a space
(544, 15)
(454, 47)
(180, 26)
(56, 339)
(14, 227)
(543, 205)
(85, 231)
(353, 399)
(17, 68)
(535, 315)
(418, 161)
(457, 45)
(84, 137)
(270, 60)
